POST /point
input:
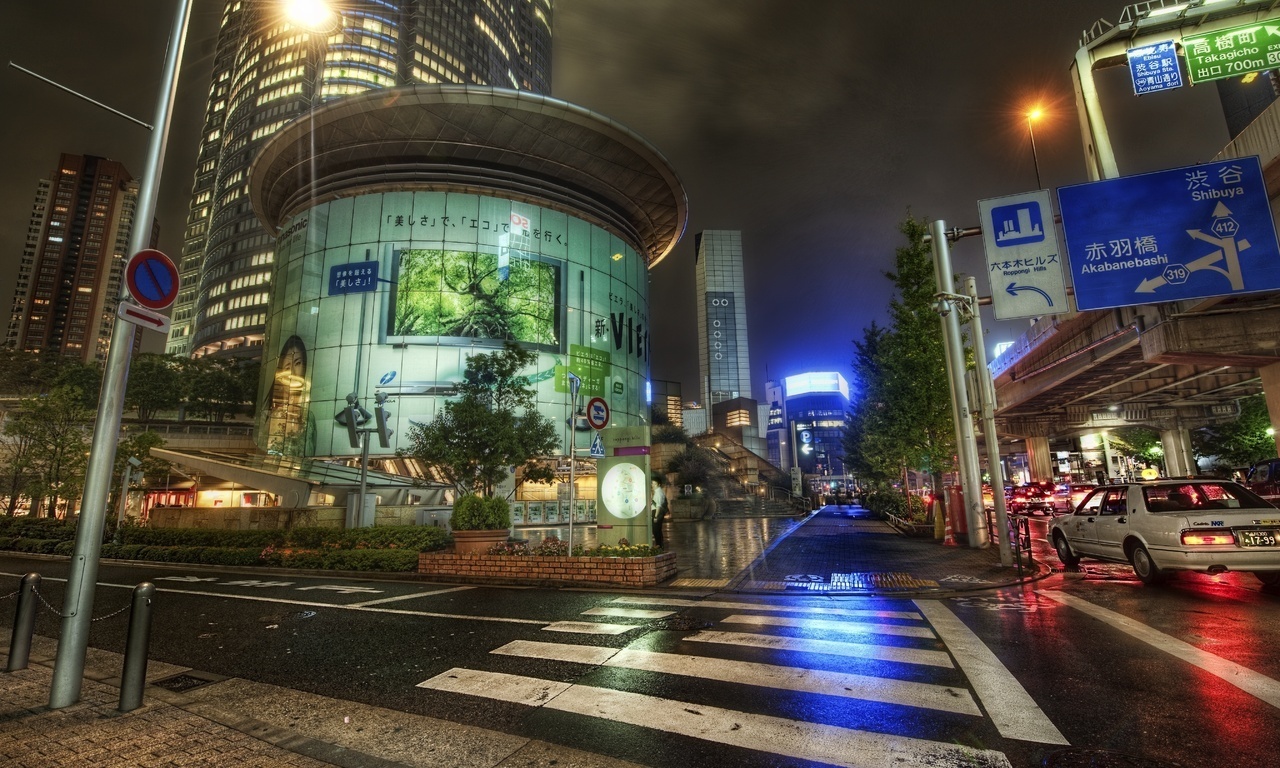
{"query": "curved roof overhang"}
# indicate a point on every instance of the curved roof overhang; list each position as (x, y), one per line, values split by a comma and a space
(475, 139)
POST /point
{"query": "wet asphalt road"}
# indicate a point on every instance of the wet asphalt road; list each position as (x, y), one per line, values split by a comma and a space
(1181, 674)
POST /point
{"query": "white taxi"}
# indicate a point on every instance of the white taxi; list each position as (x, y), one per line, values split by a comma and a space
(1159, 526)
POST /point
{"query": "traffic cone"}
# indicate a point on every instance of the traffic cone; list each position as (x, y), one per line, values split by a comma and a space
(948, 539)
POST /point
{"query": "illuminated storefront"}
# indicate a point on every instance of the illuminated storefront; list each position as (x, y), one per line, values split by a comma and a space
(420, 225)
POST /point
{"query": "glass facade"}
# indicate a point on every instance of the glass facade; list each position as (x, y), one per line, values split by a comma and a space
(723, 360)
(268, 72)
(391, 292)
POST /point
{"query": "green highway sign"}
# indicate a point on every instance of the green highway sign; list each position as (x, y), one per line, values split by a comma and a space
(1233, 52)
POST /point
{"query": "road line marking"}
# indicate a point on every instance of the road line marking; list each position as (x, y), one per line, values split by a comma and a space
(590, 627)
(628, 613)
(851, 627)
(407, 597)
(1015, 714)
(829, 647)
(828, 744)
(863, 687)
(313, 604)
(516, 689)
(1247, 680)
(740, 606)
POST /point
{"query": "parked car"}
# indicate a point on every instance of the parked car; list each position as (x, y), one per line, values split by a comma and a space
(1263, 478)
(1033, 498)
(1067, 496)
(1159, 526)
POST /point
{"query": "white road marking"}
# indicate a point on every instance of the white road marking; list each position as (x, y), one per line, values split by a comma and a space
(774, 735)
(1015, 714)
(409, 597)
(627, 613)
(312, 604)
(829, 647)
(590, 627)
(1252, 683)
(863, 687)
(851, 627)
(743, 606)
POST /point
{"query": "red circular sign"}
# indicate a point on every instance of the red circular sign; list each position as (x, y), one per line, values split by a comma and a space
(152, 279)
(597, 413)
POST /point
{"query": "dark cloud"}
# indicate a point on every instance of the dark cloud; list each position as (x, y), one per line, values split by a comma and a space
(812, 125)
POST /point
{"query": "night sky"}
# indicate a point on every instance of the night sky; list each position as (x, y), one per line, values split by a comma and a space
(814, 126)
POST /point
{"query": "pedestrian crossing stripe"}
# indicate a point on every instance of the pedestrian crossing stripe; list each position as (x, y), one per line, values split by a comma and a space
(590, 627)
(829, 647)
(740, 605)
(846, 627)
(628, 613)
(765, 733)
(908, 693)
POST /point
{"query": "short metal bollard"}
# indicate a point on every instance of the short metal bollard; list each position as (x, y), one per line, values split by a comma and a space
(134, 677)
(24, 623)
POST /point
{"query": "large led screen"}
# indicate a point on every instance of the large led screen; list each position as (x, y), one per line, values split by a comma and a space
(443, 296)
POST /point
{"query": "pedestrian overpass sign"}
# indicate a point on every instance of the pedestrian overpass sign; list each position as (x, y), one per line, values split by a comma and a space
(1185, 233)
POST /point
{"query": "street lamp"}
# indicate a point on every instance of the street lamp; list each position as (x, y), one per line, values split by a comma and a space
(1033, 115)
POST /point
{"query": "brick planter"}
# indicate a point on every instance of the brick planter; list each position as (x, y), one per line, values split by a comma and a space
(532, 569)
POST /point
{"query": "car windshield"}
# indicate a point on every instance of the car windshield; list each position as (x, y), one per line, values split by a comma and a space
(1180, 497)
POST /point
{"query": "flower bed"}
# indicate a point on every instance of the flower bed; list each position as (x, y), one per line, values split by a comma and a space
(542, 569)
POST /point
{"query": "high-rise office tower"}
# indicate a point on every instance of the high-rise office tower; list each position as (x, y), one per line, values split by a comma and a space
(724, 365)
(68, 286)
(269, 71)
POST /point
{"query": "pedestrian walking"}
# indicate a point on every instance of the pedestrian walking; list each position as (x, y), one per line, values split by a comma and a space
(659, 512)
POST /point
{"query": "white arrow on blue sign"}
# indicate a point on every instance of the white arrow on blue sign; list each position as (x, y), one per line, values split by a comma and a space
(1024, 261)
(1185, 233)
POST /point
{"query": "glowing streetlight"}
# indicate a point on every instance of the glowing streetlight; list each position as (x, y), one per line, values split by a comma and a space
(1033, 115)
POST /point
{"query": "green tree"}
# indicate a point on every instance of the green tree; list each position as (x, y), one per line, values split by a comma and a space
(694, 466)
(15, 464)
(903, 416)
(155, 384)
(57, 425)
(216, 388)
(492, 426)
(1238, 443)
(137, 445)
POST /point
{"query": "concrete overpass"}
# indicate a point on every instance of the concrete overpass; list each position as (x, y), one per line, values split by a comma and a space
(1175, 366)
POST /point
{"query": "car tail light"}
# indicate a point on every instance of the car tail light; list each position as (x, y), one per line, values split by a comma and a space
(1207, 538)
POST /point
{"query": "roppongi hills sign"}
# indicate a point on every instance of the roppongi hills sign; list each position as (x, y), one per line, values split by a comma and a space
(392, 292)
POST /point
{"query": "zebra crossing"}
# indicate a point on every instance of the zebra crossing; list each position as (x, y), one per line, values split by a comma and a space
(914, 659)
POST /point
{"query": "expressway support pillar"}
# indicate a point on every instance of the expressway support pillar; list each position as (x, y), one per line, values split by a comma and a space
(1179, 460)
(1039, 461)
(1271, 391)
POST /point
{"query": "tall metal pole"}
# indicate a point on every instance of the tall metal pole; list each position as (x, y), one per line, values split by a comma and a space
(987, 390)
(966, 444)
(68, 671)
(1035, 159)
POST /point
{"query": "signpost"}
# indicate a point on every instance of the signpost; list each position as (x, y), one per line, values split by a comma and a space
(132, 313)
(152, 279)
(1185, 233)
(357, 277)
(1232, 52)
(1155, 68)
(1024, 260)
(597, 413)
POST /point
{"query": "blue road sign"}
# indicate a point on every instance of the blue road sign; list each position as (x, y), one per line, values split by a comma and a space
(1155, 68)
(152, 279)
(1024, 260)
(1185, 233)
(356, 277)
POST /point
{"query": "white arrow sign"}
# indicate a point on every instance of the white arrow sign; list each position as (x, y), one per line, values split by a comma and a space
(343, 589)
(132, 313)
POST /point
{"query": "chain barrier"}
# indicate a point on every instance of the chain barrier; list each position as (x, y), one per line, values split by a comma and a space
(60, 615)
(14, 593)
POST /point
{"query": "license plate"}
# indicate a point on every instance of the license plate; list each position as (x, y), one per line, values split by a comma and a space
(1257, 538)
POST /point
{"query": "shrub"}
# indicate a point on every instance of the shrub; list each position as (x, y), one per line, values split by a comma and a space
(479, 513)
(36, 528)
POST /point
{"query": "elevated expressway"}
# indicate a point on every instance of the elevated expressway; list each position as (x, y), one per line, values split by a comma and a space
(1175, 366)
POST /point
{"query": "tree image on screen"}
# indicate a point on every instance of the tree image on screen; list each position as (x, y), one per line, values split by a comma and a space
(465, 294)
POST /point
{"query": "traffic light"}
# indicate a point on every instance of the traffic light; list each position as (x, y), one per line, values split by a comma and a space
(381, 416)
(352, 417)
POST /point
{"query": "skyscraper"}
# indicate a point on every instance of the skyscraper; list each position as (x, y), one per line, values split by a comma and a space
(724, 366)
(268, 72)
(68, 286)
